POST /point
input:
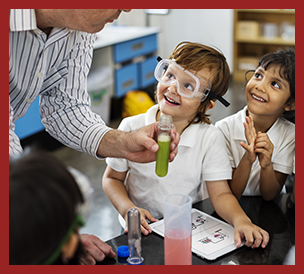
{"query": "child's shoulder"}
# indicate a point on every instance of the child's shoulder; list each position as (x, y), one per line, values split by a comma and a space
(230, 121)
(285, 123)
(138, 121)
(207, 130)
(284, 127)
(132, 122)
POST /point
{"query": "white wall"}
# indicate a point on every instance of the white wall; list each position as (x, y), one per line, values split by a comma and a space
(213, 27)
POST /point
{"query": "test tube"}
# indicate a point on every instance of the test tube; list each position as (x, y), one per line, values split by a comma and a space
(164, 141)
(134, 237)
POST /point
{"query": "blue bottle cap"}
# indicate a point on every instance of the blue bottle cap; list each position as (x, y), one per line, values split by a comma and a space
(123, 251)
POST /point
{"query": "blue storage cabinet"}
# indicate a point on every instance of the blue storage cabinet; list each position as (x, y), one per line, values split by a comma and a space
(135, 61)
(133, 48)
(126, 78)
(146, 72)
(30, 123)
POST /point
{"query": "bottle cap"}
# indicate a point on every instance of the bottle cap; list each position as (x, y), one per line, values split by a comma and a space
(123, 251)
(166, 119)
(165, 122)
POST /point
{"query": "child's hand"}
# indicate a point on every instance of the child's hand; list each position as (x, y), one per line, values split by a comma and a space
(264, 148)
(144, 214)
(253, 235)
(250, 137)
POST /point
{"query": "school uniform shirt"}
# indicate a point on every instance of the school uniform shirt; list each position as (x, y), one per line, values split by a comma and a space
(201, 156)
(56, 68)
(282, 136)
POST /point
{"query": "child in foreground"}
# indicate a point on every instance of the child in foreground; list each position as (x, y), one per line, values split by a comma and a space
(190, 81)
(260, 141)
(43, 218)
(45, 215)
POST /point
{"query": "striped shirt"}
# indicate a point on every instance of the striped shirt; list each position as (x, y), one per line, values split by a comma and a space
(56, 68)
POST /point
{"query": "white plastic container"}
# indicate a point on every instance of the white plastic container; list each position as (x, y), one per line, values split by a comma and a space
(100, 89)
(178, 230)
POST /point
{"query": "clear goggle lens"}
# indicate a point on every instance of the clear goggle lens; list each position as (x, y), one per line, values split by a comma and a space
(187, 84)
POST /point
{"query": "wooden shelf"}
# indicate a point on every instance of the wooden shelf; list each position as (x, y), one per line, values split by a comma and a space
(251, 44)
(274, 11)
(263, 40)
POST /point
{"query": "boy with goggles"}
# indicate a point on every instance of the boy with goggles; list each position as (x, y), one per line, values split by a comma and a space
(201, 166)
(188, 85)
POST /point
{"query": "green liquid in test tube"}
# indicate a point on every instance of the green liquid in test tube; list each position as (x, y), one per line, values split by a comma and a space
(164, 141)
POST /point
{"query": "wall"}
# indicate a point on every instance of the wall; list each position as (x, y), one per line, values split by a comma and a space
(213, 27)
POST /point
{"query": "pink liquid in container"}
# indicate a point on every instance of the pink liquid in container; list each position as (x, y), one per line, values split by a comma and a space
(178, 230)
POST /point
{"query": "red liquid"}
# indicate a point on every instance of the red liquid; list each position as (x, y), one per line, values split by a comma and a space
(178, 248)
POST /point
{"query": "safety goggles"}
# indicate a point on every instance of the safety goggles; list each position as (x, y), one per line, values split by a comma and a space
(77, 223)
(188, 85)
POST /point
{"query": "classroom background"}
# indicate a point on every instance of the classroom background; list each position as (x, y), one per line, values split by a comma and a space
(121, 80)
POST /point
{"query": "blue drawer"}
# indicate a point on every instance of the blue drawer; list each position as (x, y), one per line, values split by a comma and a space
(146, 72)
(130, 49)
(30, 123)
(126, 79)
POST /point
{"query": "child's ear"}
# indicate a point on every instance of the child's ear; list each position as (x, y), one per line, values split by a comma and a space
(211, 105)
(290, 106)
(69, 248)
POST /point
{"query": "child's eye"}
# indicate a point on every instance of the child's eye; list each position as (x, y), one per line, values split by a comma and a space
(257, 75)
(189, 87)
(168, 76)
(275, 84)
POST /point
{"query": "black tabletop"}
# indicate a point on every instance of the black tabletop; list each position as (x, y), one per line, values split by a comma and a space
(277, 217)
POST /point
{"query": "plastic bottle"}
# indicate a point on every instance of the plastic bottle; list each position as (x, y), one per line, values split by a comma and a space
(134, 237)
(164, 141)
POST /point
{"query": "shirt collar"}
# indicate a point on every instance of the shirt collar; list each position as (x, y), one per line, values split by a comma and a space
(22, 20)
(189, 136)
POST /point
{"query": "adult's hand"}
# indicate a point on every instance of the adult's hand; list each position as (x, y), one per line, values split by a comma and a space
(137, 146)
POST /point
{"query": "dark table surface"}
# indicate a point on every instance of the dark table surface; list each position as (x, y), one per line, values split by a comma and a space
(277, 217)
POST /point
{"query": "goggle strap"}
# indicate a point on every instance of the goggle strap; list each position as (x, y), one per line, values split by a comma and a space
(213, 95)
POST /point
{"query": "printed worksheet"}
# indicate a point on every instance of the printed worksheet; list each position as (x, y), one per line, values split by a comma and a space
(211, 237)
(209, 234)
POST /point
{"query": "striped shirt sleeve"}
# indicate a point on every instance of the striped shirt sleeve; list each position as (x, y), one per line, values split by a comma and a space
(14, 142)
(65, 108)
(56, 68)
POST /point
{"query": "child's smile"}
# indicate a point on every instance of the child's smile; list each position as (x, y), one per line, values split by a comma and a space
(258, 98)
(170, 101)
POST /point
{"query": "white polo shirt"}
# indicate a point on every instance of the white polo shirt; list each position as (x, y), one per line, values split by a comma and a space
(282, 136)
(202, 156)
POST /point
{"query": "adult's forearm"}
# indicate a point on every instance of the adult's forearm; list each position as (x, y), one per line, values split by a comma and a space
(113, 144)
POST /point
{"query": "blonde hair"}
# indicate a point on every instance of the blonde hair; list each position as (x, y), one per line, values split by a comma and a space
(195, 57)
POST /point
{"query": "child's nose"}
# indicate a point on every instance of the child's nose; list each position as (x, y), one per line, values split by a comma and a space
(261, 86)
(173, 87)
